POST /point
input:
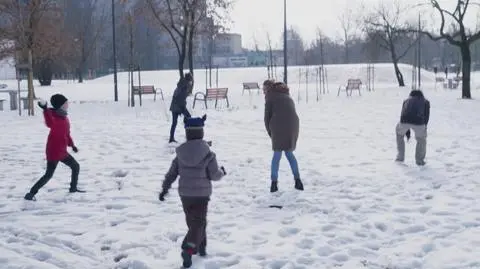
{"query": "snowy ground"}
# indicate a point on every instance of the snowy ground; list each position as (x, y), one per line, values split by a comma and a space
(359, 209)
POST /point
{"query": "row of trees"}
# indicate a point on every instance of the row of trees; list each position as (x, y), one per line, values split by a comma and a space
(387, 28)
(388, 32)
(71, 36)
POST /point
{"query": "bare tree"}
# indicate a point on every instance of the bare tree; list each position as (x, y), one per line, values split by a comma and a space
(29, 32)
(459, 36)
(169, 15)
(385, 27)
(182, 20)
(348, 25)
(207, 18)
(84, 22)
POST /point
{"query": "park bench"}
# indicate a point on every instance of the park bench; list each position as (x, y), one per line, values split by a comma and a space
(147, 89)
(1, 104)
(352, 84)
(212, 94)
(249, 86)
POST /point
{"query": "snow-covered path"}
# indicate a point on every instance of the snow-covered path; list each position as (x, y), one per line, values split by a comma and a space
(359, 209)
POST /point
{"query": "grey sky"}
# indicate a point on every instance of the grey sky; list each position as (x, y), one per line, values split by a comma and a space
(254, 18)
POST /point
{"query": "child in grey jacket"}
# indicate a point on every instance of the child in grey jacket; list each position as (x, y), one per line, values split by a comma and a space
(197, 167)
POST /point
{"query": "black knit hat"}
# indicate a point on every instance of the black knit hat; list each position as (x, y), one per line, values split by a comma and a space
(57, 101)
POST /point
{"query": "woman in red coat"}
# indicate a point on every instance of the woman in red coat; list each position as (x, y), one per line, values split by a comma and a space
(58, 140)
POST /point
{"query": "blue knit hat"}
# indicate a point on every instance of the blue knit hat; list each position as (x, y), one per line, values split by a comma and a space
(195, 123)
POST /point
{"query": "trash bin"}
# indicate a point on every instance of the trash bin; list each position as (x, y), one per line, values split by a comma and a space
(13, 100)
(450, 83)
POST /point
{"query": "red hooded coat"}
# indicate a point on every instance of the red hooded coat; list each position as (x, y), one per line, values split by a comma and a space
(59, 137)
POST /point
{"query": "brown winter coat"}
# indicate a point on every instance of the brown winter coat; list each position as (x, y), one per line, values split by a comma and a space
(281, 119)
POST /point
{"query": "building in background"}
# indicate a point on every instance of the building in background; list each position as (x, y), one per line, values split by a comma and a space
(227, 44)
(228, 51)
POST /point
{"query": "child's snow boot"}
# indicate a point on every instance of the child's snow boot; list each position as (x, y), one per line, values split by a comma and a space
(187, 255)
(202, 249)
(30, 197)
(202, 252)
(298, 184)
(421, 163)
(274, 186)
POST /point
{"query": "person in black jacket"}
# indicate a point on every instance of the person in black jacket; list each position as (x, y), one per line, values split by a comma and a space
(179, 102)
(415, 115)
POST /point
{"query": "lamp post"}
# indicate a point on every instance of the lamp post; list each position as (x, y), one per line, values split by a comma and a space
(114, 54)
(285, 59)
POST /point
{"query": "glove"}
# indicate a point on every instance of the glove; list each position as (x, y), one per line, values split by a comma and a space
(75, 149)
(42, 104)
(161, 197)
(223, 170)
(408, 134)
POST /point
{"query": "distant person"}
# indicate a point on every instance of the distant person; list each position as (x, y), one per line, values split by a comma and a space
(58, 140)
(179, 102)
(282, 125)
(197, 167)
(415, 115)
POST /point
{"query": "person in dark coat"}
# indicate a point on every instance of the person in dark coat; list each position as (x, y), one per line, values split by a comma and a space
(58, 140)
(282, 125)
(179, 102)
(415, 115)
(197, 167)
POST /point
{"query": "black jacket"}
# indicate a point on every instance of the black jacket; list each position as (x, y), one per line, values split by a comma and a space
(179, 100)
(415, 109)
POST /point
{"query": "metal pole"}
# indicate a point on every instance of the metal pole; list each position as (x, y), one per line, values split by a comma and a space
(140, 91)
(285, 59)
(31, 110)
(115, 89)
(419, 53)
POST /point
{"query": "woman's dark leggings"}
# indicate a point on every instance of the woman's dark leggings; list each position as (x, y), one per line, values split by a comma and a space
(175, 116)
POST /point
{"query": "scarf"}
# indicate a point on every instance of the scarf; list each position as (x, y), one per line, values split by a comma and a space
(61, 112)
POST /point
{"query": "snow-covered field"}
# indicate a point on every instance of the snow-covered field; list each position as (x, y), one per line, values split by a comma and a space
(359, 209)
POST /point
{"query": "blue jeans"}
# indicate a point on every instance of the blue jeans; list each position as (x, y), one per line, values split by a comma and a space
(277, 155)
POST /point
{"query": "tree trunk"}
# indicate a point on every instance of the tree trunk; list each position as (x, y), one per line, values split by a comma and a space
(466, 68)
(181, 61)
(80, 75)
(183, 52)
(44, 72)
(347, 54)
(398, 73)
(190, 50)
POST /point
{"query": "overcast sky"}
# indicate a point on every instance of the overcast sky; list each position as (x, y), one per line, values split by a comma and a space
(254, 18)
